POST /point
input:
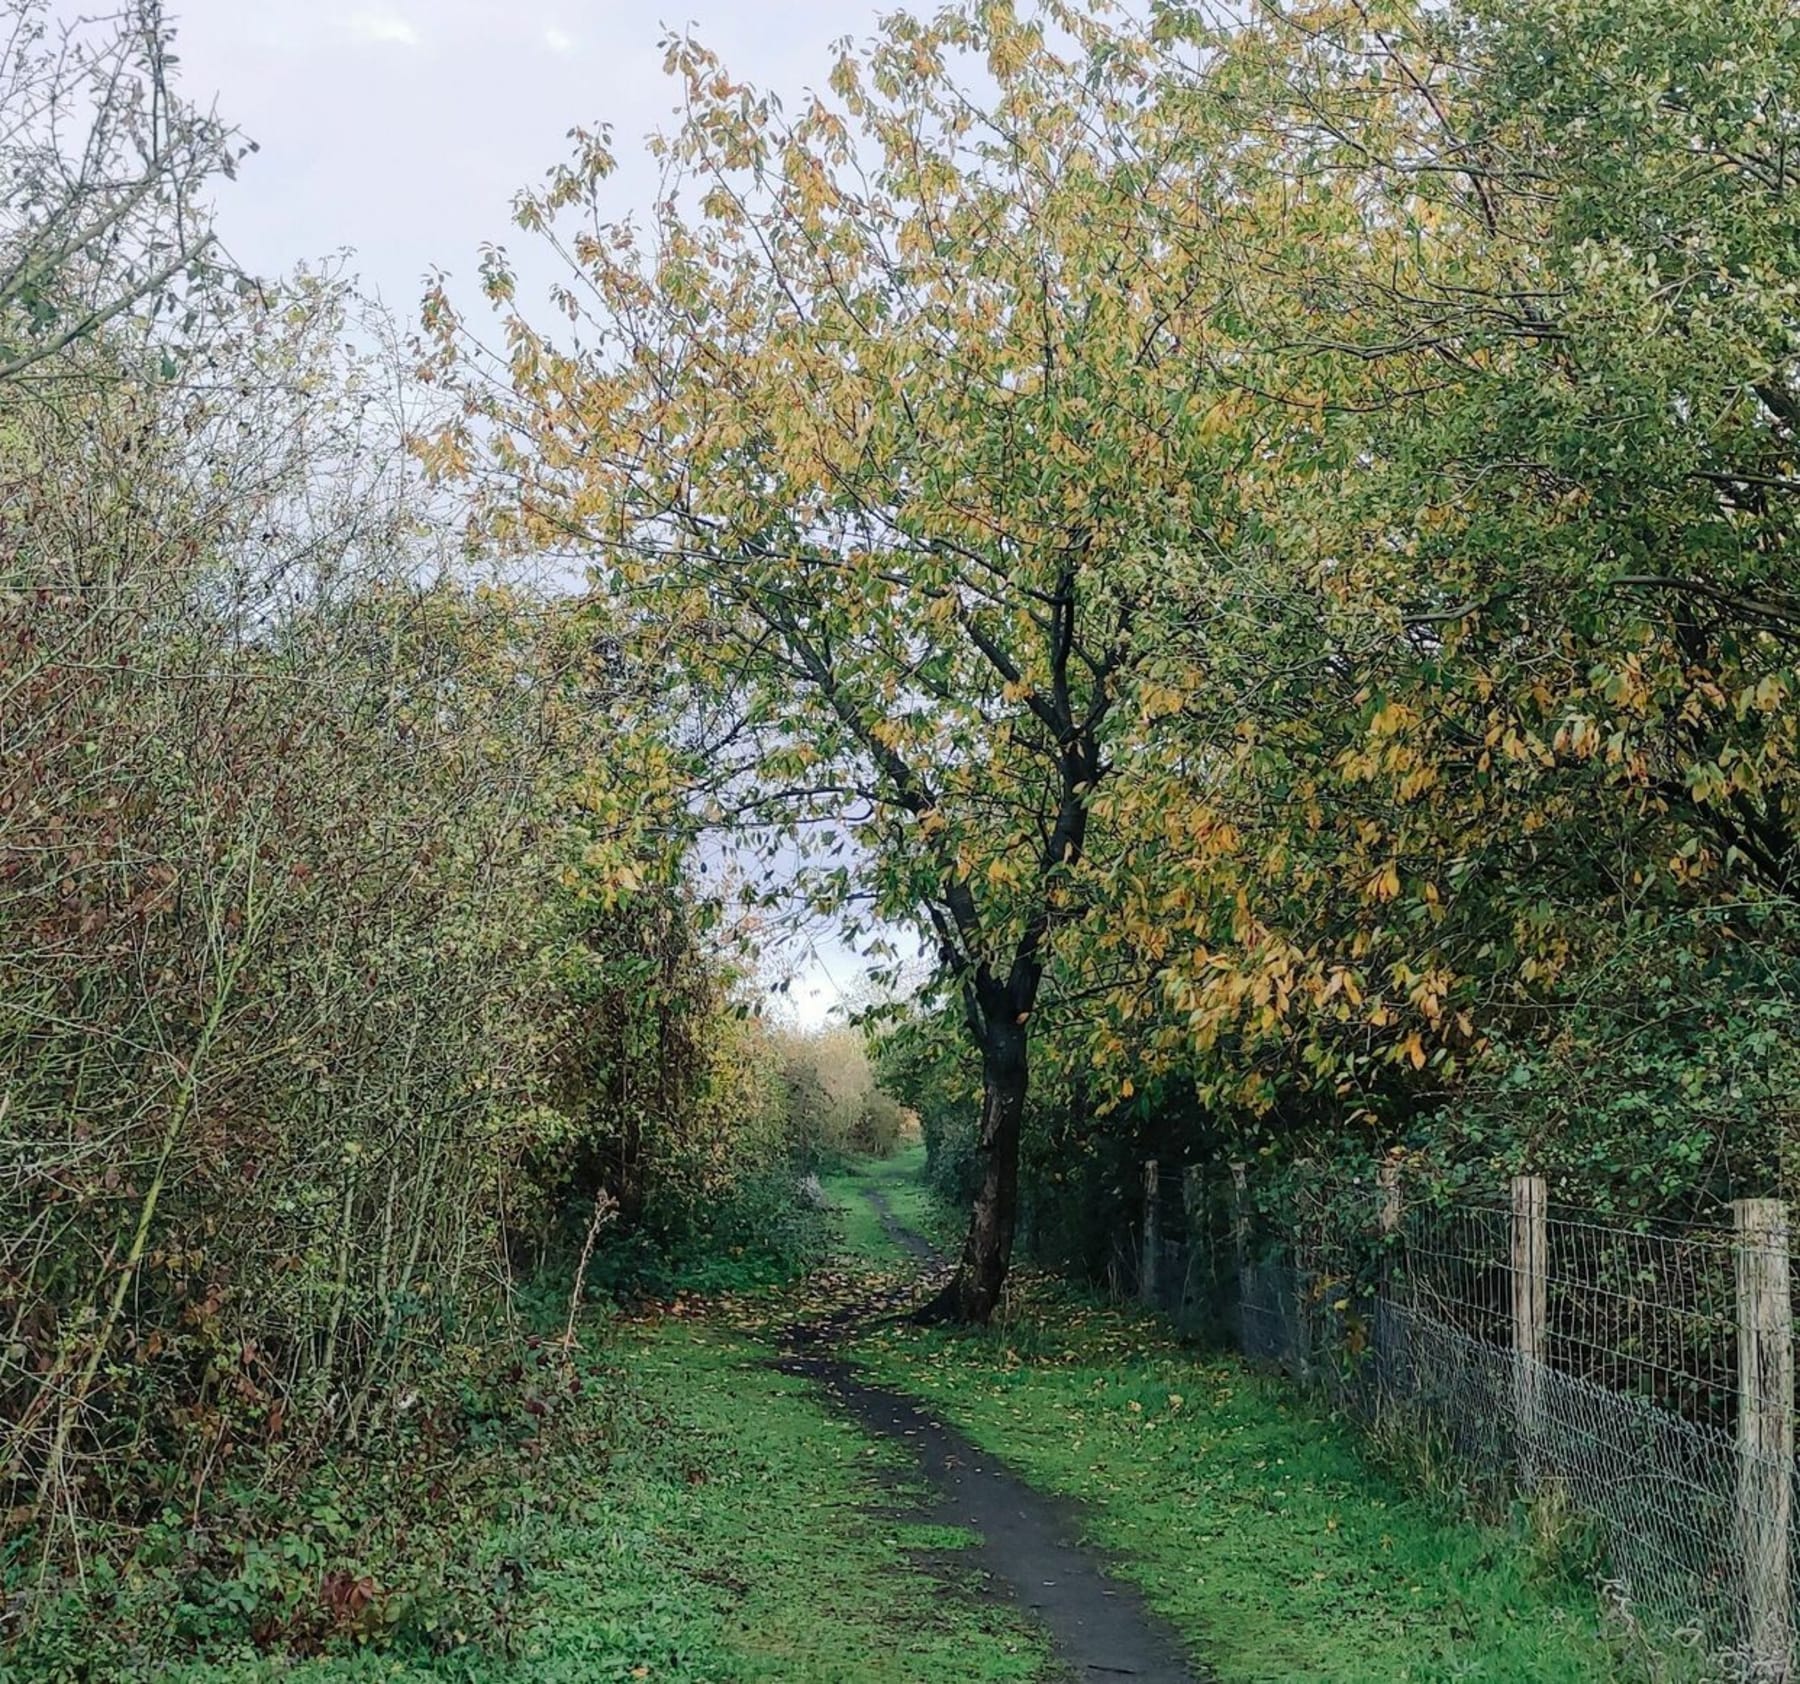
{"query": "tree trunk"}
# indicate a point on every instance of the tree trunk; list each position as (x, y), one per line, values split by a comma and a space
(974, 1291)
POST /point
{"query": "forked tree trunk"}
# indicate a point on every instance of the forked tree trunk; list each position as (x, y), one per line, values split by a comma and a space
(973, 1293)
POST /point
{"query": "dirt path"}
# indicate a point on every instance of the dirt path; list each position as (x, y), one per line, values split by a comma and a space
(1029, 1546)
(914, 1245)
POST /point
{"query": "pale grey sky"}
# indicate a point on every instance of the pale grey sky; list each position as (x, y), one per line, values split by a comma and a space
(401, 129)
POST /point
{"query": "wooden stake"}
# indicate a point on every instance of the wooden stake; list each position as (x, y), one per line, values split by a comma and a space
(1531, 1307)
(1240, 1217)
(1765, 1432)
(1389, 1215)
(1240, 1240)
(1308, 1307)
(1195, 1239)
(1387, 1220)
(1152, 1239)
(1193, 1199)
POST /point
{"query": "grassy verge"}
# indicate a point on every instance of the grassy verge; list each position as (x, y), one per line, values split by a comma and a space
(795, 1512)
(1254, 1524)
(862, 1237)
(727, 1529)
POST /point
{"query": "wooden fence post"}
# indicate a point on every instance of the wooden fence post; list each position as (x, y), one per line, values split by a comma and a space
(1193, 1236)
(1152, 1239)
(1387, 1222)
(1305, 1300)
(1765, 1431)
(1240, 1244)
(1389, 1213)
(1531, 1308)
(1193, 1200)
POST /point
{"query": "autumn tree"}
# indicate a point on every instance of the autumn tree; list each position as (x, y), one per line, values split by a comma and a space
(884, 422)
(1498, 734)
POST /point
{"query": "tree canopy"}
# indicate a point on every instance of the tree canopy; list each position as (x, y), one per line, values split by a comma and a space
(1276, 524)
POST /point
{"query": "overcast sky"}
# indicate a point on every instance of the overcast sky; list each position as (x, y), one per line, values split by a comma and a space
(401, 129)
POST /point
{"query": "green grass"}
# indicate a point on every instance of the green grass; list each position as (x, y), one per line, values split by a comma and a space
(862, 1239)
(1257, 1526)
(900, 1182)
(741, 1534)
(709, 1520)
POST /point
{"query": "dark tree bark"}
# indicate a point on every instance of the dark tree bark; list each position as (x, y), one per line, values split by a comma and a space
(974, 1291)
(999, 1013)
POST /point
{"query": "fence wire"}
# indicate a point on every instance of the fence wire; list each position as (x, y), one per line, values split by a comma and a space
(1599, 1372)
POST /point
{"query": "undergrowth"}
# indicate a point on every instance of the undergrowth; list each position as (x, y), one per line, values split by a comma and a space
(402, 1544)
(765, 1234)
(659, 1504)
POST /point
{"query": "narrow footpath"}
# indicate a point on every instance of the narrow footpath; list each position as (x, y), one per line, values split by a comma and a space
(1152, 1510)
(1029, 1545)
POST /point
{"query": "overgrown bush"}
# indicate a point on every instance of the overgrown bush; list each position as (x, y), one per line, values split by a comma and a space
(827, 1091)
(339, 980)
(880, 1121)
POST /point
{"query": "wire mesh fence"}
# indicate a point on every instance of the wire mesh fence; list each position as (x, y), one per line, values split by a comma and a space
(1635, 1378)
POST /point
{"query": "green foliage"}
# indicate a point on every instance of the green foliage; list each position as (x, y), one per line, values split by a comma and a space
(415, 1544)
(880, 1122)
(333, 969)
(920, 1062)
(1282, 575)
(828, 1096)
(673, 1098)
(270, 1003)
(762, 1230)
(1670, 1084)
(1494, 745)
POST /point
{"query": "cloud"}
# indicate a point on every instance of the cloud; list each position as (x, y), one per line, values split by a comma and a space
(557, 41)
(383, 28)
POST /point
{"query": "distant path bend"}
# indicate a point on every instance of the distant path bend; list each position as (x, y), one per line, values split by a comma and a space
(915, 1245)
